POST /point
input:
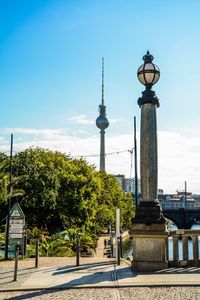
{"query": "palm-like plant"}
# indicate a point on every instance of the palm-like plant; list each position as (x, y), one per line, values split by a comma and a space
(2, 238)
(6, 190)
(61, 244)
(4, 178)
(37, 234)
(54, 247)
(70, 235)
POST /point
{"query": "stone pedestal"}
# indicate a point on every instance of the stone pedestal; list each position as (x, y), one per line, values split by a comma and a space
(149, 247)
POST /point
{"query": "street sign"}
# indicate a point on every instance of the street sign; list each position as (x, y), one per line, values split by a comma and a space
(15, 236)
(16, 212)
(16, 225)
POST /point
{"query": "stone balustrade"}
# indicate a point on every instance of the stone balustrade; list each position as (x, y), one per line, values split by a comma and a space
(187, 237)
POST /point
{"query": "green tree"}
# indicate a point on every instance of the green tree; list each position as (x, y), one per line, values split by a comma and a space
(6, 191)
(40, 185)
(4, 178)
(77, 195)
(111, 196)
(61, 192)
(58, 191)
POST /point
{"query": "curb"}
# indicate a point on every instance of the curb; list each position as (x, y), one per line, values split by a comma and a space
(153, 285)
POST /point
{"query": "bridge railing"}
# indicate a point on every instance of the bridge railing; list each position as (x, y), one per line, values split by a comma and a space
(185, 248)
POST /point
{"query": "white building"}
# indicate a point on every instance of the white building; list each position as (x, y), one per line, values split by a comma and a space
(121, 179)
(197, 204)
(130, 185)
(171, 202)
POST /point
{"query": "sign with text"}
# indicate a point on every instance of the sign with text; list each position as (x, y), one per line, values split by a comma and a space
(16, 224)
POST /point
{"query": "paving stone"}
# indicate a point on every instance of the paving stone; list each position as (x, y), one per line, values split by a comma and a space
(138, 293)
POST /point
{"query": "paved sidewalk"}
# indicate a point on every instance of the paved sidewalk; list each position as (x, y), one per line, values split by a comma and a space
(106, 274)
(168, 277)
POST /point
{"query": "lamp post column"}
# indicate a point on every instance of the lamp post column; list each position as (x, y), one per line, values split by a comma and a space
(148, 152)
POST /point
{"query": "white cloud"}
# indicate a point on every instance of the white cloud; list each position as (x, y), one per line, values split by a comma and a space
(47, 133)
(114, 121)
(179, 161)
(178, 155)
(82, 120)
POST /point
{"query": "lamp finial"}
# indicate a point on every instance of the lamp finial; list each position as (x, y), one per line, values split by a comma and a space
(148, 58)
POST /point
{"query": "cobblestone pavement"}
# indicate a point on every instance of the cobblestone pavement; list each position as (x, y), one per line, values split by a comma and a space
(7, 276)
(137, 293)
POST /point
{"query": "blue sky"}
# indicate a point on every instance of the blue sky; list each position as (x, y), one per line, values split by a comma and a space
(50, 79)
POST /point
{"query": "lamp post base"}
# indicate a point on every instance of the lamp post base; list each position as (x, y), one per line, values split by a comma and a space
(150, 250)
(147, 266)
(149, 212)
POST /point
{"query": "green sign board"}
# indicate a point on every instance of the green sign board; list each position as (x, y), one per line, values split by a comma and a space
(16, 225)
(16, 212)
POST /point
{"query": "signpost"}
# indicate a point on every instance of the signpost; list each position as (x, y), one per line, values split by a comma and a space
(16, 227)
(117, 235)
(9, 200)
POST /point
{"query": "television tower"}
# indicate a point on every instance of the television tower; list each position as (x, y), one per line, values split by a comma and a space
(102, 123)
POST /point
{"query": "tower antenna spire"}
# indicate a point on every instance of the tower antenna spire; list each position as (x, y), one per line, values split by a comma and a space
(102, 84)
(102, 123)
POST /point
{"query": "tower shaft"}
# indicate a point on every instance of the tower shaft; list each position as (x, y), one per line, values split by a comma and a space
(102, 150)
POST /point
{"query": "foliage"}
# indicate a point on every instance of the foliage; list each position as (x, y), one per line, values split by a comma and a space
(48, 245)
(61, 192)
(59, 244)
(54, 247)
(6, 190)
(58, 191)
(4, 177)
(126, 246)
(2, 238)
(87, 241)
(110, 196)
(36, 233)
(4, 185)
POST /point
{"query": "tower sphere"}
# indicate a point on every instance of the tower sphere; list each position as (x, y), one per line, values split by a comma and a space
(102, 122)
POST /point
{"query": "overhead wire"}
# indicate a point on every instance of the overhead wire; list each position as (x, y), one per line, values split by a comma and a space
(106, 154)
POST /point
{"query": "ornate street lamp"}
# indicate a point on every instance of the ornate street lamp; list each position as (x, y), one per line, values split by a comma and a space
(149, 225)
(148, 74)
